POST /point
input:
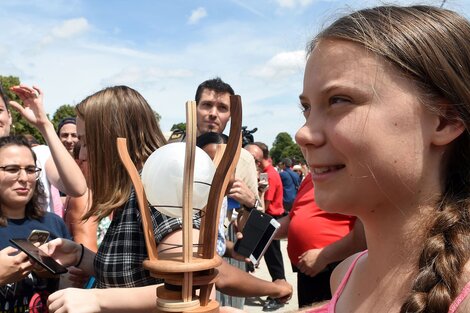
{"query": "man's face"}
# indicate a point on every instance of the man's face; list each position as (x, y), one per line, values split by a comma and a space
(257, 154)
(213, 111)
(68, 136)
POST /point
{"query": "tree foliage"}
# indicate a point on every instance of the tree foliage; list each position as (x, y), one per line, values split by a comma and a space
(285, 147)
(179, 126)
(157, 116)
(62, 112)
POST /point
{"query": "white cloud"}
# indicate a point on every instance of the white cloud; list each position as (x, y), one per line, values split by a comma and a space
(286, 3)
(248, 7)
(136, 75)
(282, 65)
(68, 29)
(291, 4)
(197, 15)
(120, 50)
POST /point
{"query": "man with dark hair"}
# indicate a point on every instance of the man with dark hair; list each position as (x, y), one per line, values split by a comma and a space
(213, 113)
(215, 84)
(273, 204)
(290, 183)
(213, 105)
(67, 131)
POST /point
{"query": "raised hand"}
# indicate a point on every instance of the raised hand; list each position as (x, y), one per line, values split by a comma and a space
(61, 170)
(32, 109)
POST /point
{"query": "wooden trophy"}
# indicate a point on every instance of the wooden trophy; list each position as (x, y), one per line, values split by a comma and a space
(189, 270)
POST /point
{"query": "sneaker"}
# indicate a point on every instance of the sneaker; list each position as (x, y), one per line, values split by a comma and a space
(272, 305)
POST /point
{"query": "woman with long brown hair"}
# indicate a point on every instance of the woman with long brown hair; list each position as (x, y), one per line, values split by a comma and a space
(386, 100)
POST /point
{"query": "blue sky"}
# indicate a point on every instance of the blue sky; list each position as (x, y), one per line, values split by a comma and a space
(164, 49)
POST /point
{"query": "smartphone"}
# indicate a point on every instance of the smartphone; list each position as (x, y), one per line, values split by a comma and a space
(37, 235)
(258, 233)
(38, 256)
(263, 177)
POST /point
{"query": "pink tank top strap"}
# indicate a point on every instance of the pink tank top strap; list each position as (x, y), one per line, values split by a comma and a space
(330, 306)
(465, 292)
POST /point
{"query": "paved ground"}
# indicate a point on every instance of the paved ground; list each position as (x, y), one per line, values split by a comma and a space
(256, 304)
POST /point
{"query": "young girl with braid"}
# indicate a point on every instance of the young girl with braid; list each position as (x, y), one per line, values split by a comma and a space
(386, 98)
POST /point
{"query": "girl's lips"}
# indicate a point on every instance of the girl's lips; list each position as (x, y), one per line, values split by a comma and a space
(22, 190)
(323, 173)
(326, 169)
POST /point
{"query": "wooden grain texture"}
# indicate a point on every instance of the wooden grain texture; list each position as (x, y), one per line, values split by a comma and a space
(141, 198)
(222, 176)
(188, 179)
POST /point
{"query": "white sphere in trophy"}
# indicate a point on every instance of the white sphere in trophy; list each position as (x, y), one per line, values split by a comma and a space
(162, 178)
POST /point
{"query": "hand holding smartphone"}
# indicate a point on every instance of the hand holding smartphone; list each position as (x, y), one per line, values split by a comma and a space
(263, 182)
(38, 256)
(258, 233)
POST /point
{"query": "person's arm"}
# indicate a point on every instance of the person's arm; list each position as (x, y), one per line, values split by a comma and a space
(82, 231)
(314, 261)
(247, 173)
(112, 300)
(13, 267)
(62, 170)
(282, 231)
(267, 203)
(69, 253)
(235, 282)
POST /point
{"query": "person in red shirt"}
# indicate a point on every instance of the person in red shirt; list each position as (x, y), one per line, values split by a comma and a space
(273, 205)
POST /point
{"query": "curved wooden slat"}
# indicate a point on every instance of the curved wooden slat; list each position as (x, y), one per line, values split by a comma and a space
(222, 176)
(141, 198)
(188, 178)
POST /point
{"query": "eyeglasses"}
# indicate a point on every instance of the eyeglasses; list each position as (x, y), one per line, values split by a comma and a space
(13, 171)
(256, 160)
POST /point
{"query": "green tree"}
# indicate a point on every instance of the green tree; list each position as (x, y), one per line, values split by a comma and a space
(20, 126)
(285, 147)
(157, 116)
(180, 126)
(294, 153)
(62, 112)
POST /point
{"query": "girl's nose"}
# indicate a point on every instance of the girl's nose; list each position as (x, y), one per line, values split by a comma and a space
(310, 135)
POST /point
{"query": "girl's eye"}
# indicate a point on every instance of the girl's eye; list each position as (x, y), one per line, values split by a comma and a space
(304, 108)
(338, 100)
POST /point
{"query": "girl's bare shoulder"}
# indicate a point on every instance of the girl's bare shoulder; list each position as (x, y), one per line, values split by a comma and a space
(340, 271)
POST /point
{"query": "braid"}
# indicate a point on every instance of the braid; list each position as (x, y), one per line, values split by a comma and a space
(445, 252)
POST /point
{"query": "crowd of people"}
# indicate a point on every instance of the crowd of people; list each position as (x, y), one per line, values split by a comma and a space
(379, 222)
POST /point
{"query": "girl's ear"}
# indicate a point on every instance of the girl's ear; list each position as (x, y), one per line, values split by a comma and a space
(446, 131)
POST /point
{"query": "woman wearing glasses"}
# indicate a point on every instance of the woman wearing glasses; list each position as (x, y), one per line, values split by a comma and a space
(21, 211)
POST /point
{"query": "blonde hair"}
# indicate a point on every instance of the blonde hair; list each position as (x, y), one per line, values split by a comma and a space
(431, 46)
(111, 113)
